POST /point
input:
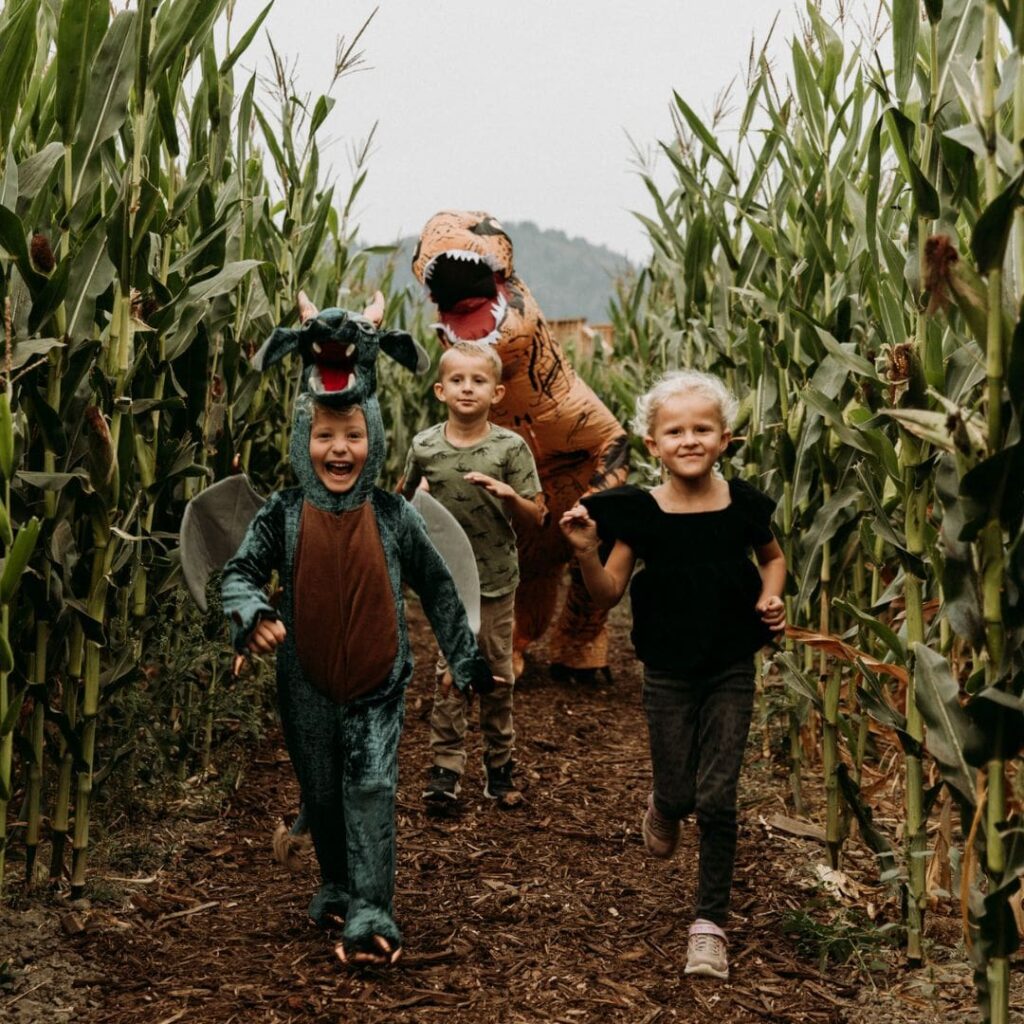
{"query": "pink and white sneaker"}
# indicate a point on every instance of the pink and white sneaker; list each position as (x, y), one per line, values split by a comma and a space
(706, 951)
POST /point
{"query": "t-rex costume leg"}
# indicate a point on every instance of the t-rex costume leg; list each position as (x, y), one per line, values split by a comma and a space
(464, 259)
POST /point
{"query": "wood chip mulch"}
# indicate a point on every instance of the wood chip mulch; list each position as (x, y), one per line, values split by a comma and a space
(549, 912)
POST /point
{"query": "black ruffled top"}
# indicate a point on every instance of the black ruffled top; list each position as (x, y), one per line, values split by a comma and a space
(693, 598)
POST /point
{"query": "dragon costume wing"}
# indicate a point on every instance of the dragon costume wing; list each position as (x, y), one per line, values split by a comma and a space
(212, 528)
(215, 522)
(453, 546)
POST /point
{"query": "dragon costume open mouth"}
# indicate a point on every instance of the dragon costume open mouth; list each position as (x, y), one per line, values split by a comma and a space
(470, 294)
(334, 366)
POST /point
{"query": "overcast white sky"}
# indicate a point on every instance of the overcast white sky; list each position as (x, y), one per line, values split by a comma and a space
(520, 108)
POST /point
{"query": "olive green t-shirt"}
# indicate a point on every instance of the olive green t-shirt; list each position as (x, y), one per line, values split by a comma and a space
(502, 454)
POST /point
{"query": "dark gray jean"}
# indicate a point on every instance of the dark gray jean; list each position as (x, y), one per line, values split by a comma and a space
(698, 730)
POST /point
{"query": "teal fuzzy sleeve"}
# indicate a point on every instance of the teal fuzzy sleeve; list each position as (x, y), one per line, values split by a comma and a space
(248, 572)
(425, 571)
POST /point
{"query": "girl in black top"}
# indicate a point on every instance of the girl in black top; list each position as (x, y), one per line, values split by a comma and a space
(701, 609)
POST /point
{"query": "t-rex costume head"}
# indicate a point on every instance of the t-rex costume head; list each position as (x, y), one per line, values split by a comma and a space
(465, 261)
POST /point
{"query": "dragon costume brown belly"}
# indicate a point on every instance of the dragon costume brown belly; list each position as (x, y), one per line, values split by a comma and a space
(465, 260)
(346, 626)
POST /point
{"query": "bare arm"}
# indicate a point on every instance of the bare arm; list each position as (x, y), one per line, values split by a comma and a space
(772, 563)
(606, 583)
(523, 511)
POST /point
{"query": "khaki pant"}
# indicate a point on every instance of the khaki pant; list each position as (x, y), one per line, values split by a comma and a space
(448, 719)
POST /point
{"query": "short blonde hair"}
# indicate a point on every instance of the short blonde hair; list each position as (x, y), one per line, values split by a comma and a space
(475, 350)
(321, 410)
(684, 382)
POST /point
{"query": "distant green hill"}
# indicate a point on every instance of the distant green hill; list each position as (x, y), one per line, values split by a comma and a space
(569, 277)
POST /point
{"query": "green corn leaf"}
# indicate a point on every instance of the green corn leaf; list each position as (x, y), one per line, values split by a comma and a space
(12, 240)
(55, 481)
(143, 29)
(35, 171)
(313, 243)
(949, 727)
(901, 134)
(6, 437)
(165, 115)
(992, 231)
(17, 53)
(1012, 13)
(50, 296)
(6, 533)
(91, 275)
(10, 719)
(181, 26)
(6, 657)
(106, 102)
(80, 29)
(872, 624)
(880, 846)
(906, 23)
(707, 139)
(809, 94)
(17, 559)
(243, 44)
(795, 677)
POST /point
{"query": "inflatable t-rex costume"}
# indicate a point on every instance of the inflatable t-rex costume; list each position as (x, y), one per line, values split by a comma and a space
(345, 662)
(464, 259)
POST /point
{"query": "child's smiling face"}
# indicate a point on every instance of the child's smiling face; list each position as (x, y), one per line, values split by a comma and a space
(338, 447)
(688, 435)
(469, 386)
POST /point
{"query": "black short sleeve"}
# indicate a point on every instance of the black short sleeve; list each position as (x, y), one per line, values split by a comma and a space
(619, 513)
(756, 508)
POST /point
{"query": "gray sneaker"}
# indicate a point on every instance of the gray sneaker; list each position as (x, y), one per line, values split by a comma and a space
(706, 951)
(661, 836)
(500, 785)
(442, 786)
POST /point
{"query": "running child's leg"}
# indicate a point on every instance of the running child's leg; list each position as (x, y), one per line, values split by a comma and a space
(370, 736)
(312, 729)
(497, 622)
(672, 705)
(447, 741)
(724, 724)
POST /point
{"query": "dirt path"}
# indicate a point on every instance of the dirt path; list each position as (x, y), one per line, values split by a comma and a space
(549, 913)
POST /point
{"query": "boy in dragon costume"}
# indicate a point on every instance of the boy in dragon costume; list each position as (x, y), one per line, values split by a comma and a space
(342, 547)
(464, 259)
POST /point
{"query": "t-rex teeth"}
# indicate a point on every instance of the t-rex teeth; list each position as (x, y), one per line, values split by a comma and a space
(464, 255)
(317, 347)
(350, 350)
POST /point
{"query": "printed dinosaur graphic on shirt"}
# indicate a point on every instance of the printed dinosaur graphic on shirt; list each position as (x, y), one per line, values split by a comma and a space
(465, 261)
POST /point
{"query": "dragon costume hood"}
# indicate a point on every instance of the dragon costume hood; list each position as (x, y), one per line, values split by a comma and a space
(339, 353)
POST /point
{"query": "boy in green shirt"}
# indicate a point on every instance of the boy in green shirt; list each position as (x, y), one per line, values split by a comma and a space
(486, 477)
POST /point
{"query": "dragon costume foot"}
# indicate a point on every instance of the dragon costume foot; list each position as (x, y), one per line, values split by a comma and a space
(329, 906)
(370, 936)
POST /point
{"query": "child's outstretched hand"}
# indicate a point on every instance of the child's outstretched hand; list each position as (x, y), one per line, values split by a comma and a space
(266, 636)
(446, 685)
(579, 529)
(772, 612)
(498, 488)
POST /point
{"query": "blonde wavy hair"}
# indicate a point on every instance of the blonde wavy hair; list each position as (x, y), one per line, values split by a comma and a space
(683, 382)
